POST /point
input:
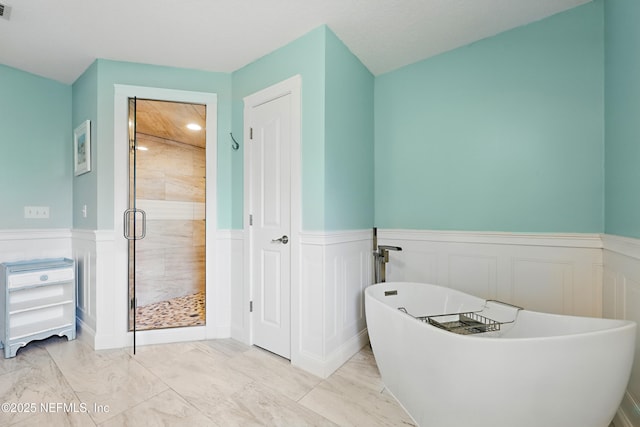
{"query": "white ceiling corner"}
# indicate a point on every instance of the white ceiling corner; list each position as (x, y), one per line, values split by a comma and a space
(60, 39)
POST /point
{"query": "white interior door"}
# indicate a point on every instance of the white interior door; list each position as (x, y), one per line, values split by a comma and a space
(270, 212)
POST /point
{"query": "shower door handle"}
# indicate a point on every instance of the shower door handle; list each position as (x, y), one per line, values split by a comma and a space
(127, 221)
(284, 240)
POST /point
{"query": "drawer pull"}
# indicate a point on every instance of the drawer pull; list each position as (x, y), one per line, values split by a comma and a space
(44, 278)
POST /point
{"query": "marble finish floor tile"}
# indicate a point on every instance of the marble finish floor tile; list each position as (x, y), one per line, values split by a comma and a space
(258, 405)
(202, 383)
(276, 373)
(362, 370)
(348, 403)
(30, 390)
(226, 347)
(112, 380)
(167, 408)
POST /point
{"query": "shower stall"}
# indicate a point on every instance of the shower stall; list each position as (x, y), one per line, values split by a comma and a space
(165, 220)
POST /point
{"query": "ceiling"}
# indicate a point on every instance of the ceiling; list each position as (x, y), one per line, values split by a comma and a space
(59, 39)
(169, 120)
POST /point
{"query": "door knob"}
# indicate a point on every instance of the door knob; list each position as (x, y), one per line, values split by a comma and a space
(283, 240)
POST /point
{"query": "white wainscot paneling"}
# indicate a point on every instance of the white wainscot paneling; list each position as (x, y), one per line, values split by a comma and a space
(542, 285)
(608, 293)
(473, 274)
(311, 303)
(631, 311)
(84, 253)
(218, 296)
(231, 278)
(97, 307)
(329, 326)
(416, 263)
(347, 267)
(621, 300)
(555, 273)
(23, 245)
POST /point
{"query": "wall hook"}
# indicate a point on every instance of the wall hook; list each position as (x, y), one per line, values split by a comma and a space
(235, 144)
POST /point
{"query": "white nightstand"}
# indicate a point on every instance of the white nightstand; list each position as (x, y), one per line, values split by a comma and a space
(39, 300)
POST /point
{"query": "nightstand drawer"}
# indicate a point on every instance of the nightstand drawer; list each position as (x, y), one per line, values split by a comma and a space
(40, 277)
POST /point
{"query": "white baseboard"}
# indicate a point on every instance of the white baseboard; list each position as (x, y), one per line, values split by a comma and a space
(341, 355)
(85, 333)
(96, 341)
(323, 368)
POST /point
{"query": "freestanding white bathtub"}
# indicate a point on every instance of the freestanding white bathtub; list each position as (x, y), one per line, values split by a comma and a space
(542, 370)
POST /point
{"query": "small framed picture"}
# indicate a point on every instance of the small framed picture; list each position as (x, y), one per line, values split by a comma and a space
(82, 148)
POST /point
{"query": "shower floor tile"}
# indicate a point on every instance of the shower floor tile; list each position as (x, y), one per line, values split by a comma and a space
(176, 312)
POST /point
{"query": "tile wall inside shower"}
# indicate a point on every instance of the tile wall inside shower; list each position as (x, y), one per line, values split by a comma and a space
(170, 260)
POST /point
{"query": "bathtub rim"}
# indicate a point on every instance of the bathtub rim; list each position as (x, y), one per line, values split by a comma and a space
(622, 324)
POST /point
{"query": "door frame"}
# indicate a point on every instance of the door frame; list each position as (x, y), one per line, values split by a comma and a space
(122, 93)
(291, 86)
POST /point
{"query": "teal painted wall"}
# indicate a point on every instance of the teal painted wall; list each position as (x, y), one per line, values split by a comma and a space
(505, 134)
(99, 88)
(85, 107)
(337, 128)
(622, 107)
(349, 196)
(35, 149)
(304, 56)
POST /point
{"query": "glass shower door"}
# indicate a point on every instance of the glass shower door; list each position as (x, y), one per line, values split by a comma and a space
(134, 221)
(166, 205)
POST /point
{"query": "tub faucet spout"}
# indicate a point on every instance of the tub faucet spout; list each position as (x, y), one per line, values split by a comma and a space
(389, 248)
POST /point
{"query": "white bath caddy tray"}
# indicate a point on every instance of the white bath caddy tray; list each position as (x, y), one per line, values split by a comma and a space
(467, 323)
